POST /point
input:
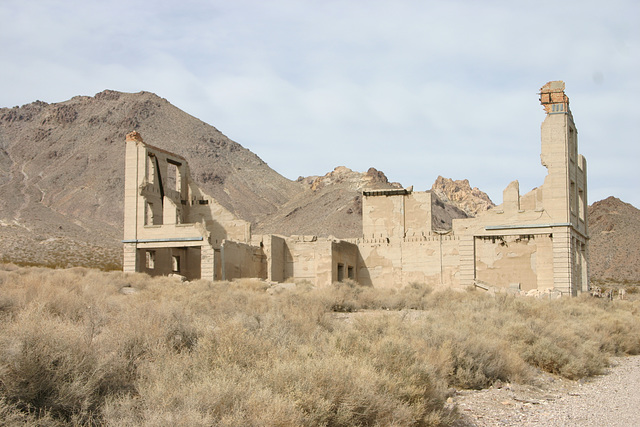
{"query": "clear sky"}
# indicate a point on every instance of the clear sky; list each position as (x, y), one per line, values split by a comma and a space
(414, 88)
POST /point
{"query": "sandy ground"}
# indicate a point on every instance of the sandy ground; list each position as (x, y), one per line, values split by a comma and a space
(612, 399)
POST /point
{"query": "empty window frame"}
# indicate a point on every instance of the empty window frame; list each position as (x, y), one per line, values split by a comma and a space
(350, 272)
(581, 204)
(172, 174)
(175, 263)
(340, 272)
(150, 261)
(151, 168)
(174, 178)
(572, 198)
(148, 214)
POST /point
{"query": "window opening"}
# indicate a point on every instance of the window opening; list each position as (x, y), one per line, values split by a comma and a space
(151, 168)
(581, 204)
(174, 180)
(172, 175)
(151, 260)
(572, 197)
(175, 263)
(340, 272)
(148, 215)
(350, 273)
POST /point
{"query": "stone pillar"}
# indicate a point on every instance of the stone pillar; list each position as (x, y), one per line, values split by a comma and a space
(562, 264)
(467, 260)
(131, 176)
(130, 261)
(207, 267)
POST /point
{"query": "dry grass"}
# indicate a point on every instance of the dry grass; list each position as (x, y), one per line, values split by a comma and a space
(76, 350)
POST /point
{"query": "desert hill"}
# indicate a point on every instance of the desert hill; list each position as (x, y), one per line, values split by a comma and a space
(62, 166)
(614, 227)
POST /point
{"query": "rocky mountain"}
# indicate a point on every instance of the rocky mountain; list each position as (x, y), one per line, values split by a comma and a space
(62, 171)
(460, 194)
(614, 251)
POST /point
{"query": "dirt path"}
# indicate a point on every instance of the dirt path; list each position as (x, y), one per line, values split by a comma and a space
(612, 399)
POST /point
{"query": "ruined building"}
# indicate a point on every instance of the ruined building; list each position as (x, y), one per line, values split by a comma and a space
(537, 241)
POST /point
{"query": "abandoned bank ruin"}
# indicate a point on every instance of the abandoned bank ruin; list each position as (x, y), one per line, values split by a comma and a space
(536, 242)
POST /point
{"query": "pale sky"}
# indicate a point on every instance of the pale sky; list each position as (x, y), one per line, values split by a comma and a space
(414, 88)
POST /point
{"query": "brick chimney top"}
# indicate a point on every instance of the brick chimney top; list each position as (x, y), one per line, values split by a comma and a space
(553, 98)
(134, 136)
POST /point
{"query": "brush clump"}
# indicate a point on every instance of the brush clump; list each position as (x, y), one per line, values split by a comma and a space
(76, 349)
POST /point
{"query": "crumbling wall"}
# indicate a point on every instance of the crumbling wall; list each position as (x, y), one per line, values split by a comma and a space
(274, 252)
(241, 260)
(383, 216)
(433, 260)
(306, 258)
(221, 223)
(417, 214)
(517, 262)
(161, 261)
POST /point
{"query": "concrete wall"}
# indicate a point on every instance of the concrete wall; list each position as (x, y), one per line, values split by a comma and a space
(165, 212)
(433, 260)
(417, 214)
(242, 260)
(394, 215)
(162, 261)
(383, 216)
(306, 258)
(517, 262)
(274, 251)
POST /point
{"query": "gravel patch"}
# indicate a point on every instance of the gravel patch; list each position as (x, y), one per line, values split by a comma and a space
(612, 399)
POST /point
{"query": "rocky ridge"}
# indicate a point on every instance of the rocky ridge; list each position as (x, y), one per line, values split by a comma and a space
(614, 250)
(459, 193)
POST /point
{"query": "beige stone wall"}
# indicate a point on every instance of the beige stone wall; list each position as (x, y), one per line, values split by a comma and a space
(517, 262)
(207, 264)
(417, 216)
(161, 261)
(129, 264)
(433, 260)
(242, 260)
(274, 251)
(396, 214)
(381, 264)
(306, 258)
(165, 212)
(383, 216)
(217, 220)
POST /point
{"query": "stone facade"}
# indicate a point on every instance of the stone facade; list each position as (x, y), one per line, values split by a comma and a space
(536, 242)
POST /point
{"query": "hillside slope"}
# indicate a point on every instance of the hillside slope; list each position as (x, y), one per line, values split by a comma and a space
(614, 251)
(62, 172)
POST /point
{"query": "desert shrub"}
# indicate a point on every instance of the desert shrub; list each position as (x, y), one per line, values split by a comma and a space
(12, 415)
(47, 364)
(76, 350)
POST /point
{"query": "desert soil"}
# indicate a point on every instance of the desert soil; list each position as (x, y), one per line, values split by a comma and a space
(612, 399)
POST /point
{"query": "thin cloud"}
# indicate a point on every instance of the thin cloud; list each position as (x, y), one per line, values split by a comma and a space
(413, 88)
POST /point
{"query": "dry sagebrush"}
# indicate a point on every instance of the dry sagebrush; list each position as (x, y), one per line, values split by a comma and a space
(76, 350)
